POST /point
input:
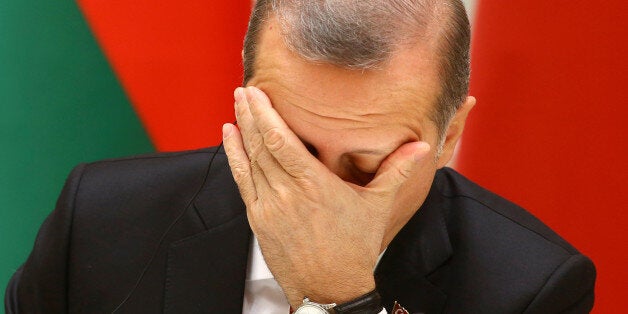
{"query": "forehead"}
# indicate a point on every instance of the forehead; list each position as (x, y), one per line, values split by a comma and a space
(400, 92)
(412, 68)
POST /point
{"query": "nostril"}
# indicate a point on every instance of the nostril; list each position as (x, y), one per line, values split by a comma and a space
(364, 178)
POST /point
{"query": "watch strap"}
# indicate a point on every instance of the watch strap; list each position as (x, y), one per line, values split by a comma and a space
(370, 303)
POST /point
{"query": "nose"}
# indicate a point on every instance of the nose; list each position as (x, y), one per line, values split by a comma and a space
(333, 162)
(340, 165)
(330, 159)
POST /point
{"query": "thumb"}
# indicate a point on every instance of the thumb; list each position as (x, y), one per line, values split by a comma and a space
(399, 165)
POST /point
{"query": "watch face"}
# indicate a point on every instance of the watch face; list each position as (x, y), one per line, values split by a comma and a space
(310, 309)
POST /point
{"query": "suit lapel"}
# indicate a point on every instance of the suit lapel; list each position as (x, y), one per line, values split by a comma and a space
(419, 249)
(206, 272)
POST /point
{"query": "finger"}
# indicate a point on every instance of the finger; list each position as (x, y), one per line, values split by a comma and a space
(258, 155)
(278, 138)
(239, 163)
(399, 166)
(252, 142)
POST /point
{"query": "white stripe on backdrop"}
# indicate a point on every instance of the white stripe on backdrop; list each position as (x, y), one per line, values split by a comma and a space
(471, 5)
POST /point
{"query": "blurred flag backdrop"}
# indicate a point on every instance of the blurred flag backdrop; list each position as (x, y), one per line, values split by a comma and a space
(549, 131)
(86, 80)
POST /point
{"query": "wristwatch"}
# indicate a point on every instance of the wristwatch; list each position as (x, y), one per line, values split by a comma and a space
(309, 307)
(370, 303)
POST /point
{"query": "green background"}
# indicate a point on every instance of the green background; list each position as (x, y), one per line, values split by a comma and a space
(60, 104)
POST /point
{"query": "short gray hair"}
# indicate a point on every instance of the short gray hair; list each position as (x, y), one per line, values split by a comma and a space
(362, 34)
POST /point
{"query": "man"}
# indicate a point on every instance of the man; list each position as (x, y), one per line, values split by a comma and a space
(352, 110)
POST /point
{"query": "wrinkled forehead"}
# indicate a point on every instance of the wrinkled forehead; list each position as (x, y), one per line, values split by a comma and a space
(409, 73)
(330, 101)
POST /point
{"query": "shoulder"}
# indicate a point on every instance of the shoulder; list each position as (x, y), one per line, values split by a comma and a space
(467, 202)
(170, 174)
(184, 165)
(503, 252)
(145, 190)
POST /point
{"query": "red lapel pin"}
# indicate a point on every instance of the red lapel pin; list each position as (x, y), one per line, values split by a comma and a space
(398, 309)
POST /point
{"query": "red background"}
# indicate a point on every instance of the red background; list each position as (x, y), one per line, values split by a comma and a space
(549, 130)
(179, 62)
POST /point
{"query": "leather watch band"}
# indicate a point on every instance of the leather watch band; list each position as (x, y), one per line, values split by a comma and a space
(370, 303)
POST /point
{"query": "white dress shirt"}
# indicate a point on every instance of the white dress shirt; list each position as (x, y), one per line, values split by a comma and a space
(262, 294)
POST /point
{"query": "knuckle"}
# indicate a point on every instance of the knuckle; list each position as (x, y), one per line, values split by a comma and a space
(239, 110)
(263, 158)
(247, 196)
(308, 174)
(307, 179)
(240, 172)
(397, 174)
(402, 174)
(281, 194)
(255, 144)
(274, 140)
(294, 166)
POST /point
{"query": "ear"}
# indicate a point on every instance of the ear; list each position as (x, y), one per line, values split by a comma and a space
(454, 131)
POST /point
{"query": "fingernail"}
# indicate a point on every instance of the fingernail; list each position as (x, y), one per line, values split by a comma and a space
(422, 149)
(256, 91)
(250, 94)
(227, 129)
(238, 94)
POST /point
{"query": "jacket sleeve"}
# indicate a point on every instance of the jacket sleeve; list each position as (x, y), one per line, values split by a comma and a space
(40, 285)
(568, 290)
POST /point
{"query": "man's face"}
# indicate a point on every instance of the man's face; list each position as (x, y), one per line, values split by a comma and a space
(351, 119)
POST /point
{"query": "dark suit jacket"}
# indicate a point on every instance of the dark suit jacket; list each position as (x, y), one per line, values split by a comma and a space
(167, 233)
